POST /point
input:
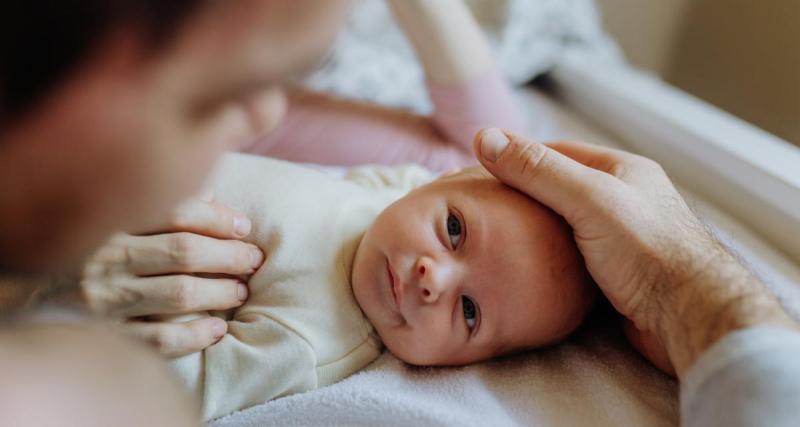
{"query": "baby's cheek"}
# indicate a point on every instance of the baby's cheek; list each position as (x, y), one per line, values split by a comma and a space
(409, 346)
(394, 342)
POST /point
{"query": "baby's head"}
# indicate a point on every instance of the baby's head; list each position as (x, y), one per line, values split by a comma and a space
(465, 269)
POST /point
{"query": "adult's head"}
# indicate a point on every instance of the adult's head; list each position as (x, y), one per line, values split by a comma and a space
(111, 111)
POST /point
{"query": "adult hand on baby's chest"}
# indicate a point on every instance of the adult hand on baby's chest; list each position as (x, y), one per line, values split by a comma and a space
(194, 262)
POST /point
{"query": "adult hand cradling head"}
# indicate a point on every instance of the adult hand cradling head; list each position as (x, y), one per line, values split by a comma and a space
(651, 256)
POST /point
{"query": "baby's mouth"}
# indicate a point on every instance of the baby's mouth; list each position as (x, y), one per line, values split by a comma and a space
(395, 287)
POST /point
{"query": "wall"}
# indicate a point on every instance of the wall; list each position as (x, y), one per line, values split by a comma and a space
(741, 55)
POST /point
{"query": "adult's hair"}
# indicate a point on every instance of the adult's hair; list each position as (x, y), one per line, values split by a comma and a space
(42, 41)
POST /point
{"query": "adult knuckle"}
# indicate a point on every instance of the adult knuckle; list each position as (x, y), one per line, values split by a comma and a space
(125, 256)
(110, 296)
(621, 170)
(178, 218)
(114, 252)
(183, 292)
(164, 339)
(95, 296)
(182, 250)
(532, 157)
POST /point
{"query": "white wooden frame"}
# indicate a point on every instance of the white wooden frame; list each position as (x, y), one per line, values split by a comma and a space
(751, 174)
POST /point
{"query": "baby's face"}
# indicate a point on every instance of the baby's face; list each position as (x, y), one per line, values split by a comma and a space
(465, 269)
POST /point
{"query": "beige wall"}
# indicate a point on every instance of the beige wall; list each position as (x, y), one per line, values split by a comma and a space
(741, 55)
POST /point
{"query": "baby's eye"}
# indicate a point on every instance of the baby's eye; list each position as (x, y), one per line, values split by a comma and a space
(454, 230)
(470, 314)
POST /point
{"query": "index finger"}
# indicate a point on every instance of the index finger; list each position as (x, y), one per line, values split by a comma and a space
(205, 217)
(628, 167)
(595, 156)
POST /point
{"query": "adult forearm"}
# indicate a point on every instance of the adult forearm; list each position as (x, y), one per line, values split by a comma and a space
(446, 38)
(699, 306)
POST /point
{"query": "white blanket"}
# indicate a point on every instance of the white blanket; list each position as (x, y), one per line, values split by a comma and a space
(593, 380)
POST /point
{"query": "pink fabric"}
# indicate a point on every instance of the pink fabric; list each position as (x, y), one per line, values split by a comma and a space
(326, 130)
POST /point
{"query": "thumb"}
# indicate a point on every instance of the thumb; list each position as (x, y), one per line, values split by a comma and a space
(544, 174)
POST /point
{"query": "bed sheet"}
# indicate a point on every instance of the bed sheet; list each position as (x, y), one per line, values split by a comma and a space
(593, 379)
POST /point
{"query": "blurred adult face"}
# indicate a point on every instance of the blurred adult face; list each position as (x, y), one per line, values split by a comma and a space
(131, 131)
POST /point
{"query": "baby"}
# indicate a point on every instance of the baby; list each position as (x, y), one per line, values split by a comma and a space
(458, 270)
(465, 269)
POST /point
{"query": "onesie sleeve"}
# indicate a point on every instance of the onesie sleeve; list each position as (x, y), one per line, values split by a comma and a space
(749, 378)
(322, 129)
(259, 359)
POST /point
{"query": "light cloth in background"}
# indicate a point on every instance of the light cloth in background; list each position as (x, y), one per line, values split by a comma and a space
(372, 61)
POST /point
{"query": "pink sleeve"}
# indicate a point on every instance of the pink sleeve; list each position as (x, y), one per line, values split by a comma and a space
(326, 130)
(461, 110)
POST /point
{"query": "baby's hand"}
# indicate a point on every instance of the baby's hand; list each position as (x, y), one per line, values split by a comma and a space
(649, 347)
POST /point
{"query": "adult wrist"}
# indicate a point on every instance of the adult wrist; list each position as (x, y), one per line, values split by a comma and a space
(718, 296)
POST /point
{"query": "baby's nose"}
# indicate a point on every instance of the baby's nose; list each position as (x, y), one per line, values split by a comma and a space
(432, 279)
